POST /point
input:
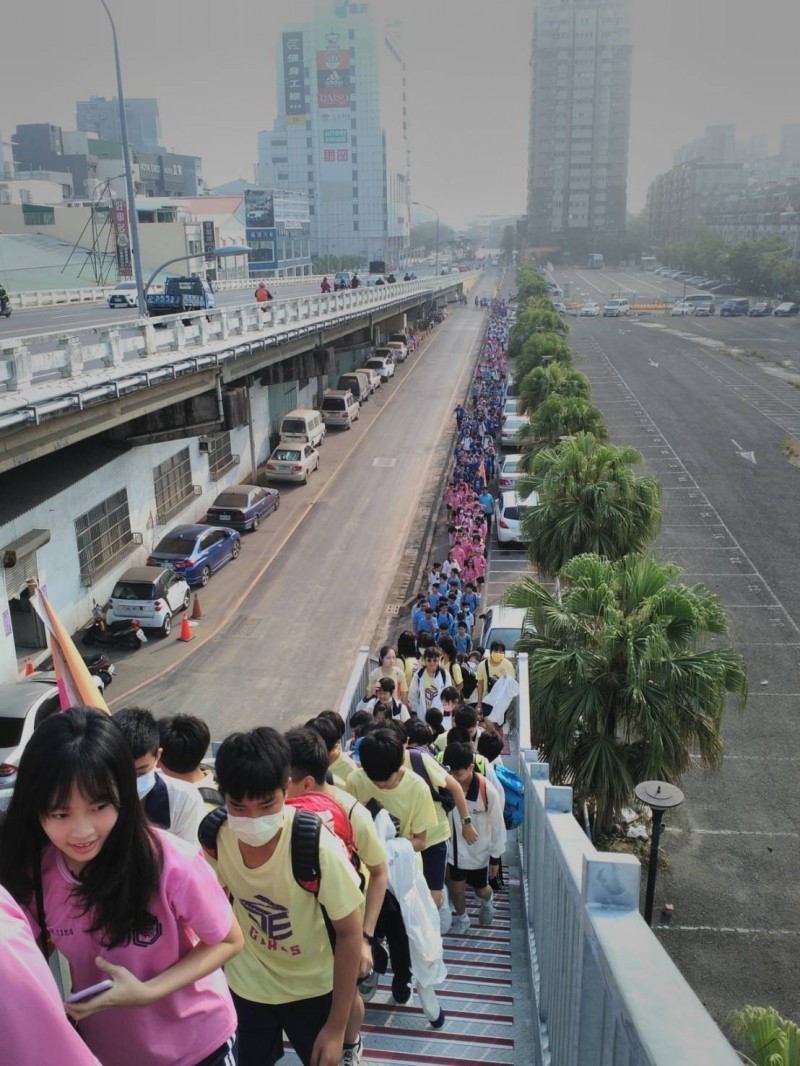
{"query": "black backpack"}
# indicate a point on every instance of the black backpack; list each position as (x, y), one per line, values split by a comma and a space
(438, 795)
(306, 828)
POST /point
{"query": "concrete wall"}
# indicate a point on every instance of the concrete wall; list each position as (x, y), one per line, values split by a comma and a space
(57, 562)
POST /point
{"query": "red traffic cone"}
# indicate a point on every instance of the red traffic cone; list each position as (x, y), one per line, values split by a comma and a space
(28, 666)
(197, 610)
(186, 630)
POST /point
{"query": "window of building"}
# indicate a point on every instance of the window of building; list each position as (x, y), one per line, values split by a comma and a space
(220, 457)
(282, 177)
(104, 535)
(172, 481)
(355, 227)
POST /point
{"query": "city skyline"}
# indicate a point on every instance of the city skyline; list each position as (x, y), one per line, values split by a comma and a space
(468, 84)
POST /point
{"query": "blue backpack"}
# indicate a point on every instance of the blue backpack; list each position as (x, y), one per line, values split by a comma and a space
(514, 791)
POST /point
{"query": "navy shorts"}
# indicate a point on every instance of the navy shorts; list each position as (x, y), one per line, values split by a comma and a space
(476, 879)
(434, 863)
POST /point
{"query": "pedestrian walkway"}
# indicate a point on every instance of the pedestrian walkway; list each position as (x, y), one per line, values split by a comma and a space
(486, 998)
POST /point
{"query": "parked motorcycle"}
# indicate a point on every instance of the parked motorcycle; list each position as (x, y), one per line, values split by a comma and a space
(97, 663)
(127, 631)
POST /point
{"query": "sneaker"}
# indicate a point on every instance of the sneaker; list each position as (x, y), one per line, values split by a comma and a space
(486, 911)
(369, 986)
(430, 1006)
(401, 991)
(351, 1056)
(461, 924)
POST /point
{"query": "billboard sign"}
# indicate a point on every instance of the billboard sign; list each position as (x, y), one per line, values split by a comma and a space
(333, 78)
(294, 88)
(259, 208)
(209, 241)
(122, 240)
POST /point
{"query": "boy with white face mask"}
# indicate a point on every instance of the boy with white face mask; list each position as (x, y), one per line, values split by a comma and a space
(168, 803)
(287, 978)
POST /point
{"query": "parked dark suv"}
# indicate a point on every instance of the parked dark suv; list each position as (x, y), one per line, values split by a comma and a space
(735, 307)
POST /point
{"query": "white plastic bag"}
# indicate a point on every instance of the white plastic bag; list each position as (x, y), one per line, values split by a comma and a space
(499, 699)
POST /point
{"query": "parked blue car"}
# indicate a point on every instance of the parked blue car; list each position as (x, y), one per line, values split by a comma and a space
(196, 552)
(243, 507)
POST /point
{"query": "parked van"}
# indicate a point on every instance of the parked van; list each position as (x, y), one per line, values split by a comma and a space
(374, 377)
(700, 299)
(616, 308)
(735, 307)
(304, 425)
(340, 408)
(398, 349)
(358, 385)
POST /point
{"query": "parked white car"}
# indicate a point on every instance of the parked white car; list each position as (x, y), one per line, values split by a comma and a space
(292, 462)
(508, 512)
(510, 471)
(616, 308)
(681, 309)
(151, 595)
(398, 349)
(589, 310)
(124, 294)
(383, 365)
(510, 428)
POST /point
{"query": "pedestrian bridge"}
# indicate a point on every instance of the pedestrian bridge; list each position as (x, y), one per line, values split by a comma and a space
(569, 974)
(92, 379)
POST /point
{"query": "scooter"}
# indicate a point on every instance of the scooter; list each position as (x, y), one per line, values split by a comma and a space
(97, 663)
(5, 307)
(127, 631)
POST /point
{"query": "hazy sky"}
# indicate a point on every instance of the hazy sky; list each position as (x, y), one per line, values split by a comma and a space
(211, 67)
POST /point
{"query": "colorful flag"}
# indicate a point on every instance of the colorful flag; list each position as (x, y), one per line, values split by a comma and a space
(76, 686)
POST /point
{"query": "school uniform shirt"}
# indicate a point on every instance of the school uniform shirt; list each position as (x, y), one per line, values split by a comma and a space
(176, 806)
(343, 766)
(437, 775)
(487, 818)
(184, 1027)
(410, 801)
(287, 954)
(396, 674)
(425, 691)
(488, 671)
(34, 1026)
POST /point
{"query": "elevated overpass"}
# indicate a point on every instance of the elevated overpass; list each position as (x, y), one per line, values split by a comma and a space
(64, 386)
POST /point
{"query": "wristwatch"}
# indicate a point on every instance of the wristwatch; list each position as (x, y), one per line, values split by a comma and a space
(466, 821)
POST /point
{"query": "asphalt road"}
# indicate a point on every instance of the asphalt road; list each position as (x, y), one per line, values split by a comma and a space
(710, 426)
(283, 623)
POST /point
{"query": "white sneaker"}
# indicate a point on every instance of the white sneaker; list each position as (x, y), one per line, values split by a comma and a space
(352, 1056)
(461, 924)
(430, 1006)
(486, 911)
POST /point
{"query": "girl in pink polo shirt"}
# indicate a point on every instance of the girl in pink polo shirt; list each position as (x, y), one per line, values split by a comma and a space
(120, 900)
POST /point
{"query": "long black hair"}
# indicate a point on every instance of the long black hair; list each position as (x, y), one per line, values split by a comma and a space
(82, 748)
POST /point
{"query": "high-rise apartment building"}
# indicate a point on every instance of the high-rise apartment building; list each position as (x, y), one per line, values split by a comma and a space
(101, 116)
(341, 133)
(579, 119)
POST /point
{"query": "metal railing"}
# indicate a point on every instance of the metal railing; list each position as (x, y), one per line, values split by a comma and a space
(605, 989)
(54, 372)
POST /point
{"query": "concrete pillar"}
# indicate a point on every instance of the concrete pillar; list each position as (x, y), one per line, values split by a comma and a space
(71, 351)
(111, 340)
(19, 365)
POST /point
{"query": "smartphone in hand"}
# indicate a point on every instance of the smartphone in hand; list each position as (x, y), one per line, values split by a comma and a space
(92, 990)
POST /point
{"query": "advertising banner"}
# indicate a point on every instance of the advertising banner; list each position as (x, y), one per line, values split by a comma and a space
(122, 240)
(333, 78)
(293, 82)
(259, 208)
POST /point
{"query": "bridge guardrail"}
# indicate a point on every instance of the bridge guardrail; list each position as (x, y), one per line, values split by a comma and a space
(605, 989)
(71, 368)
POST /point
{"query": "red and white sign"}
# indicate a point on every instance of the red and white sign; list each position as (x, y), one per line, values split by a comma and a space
(122, 239)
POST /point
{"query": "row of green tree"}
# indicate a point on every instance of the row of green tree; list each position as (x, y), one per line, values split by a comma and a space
(763, 268)
(624, 683)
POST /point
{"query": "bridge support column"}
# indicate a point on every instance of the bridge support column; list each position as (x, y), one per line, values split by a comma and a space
(149, 331)
(113, 346)
(17, 359)
(71, 351)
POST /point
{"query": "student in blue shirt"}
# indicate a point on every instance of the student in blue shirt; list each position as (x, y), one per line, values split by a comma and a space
(463, 641)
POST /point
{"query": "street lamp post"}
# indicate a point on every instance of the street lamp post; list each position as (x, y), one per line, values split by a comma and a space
(660, 797)
(133, 220)
(218, 253)
(429, 208)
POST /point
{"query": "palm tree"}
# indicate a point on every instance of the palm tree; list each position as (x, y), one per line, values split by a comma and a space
(555, 379)
(622, 689)
(590, 500)
(539, 349)
(559, 417)
(534, 319)
(773, 1040)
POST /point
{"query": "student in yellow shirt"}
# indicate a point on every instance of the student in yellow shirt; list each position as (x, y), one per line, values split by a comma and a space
(307, 777)
(287, 978)
(330, 727)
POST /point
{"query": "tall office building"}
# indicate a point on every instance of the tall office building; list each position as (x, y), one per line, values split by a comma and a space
(341, 133)
(101, 116)
(579, 119)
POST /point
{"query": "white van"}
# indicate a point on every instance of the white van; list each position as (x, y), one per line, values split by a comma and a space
(303, 425)
(340, 408)
(616, 308)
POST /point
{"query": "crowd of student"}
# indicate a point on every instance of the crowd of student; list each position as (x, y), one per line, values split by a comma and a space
(219, 907)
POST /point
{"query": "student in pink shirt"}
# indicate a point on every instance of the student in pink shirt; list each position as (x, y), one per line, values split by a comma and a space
(32, 1020)
(120, 900)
